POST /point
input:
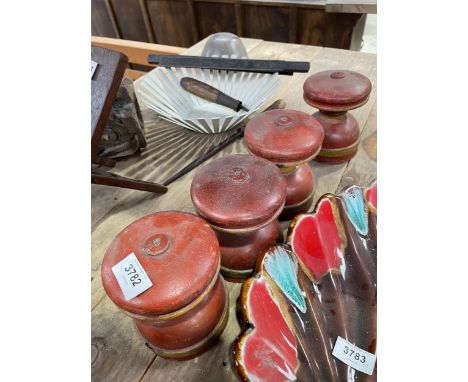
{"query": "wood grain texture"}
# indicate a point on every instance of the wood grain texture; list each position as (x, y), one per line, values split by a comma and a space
(319, 4)
(113, 19)
(129, 17)
(332, 30)
(116, 339)
(147, 21)
(101, 23)
(172, 22)
(266, 22)
(108, 179)
(136, 51)
(104, 86)
(211, 19)
(193, 26)
(183, 22)
(171, 148)
(134, 74)
(351, 6)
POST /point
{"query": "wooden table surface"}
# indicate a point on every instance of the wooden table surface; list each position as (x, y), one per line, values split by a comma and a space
(117, 351)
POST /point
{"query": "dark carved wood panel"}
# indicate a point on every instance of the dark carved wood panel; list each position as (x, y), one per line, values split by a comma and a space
(101, 24)
(333, 30)
(266, 23)
(184, 22)
(104, 86)
(212, 18)
(130, 19)
(172, 22)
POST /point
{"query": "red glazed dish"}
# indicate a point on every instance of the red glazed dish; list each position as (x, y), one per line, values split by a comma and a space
(306, 294)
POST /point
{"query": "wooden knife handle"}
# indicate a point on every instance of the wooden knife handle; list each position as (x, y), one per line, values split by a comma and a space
(200, 89)
(205, 91)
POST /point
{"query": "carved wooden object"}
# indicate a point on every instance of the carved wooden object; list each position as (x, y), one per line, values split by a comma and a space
(288, 138)
(186, 308)
(105, 84)
(241, 197)
(334, 92)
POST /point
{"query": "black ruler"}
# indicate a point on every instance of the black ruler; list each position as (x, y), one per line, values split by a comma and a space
(230, 64)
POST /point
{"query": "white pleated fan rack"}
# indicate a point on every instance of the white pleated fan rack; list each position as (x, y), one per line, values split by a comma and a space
(160, 90)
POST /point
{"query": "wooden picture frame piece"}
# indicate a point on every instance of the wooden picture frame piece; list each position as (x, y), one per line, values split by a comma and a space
(109, 68)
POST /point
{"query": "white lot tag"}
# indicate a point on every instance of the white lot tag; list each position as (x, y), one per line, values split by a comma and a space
(131, 277)
(93, 68)
(353, 356)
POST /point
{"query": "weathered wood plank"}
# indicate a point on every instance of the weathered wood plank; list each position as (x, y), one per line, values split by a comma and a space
(115, 338)
(136, 51)
(351, 6)
(182, 22)
(214, 365)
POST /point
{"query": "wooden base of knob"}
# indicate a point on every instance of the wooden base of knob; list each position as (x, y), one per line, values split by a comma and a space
(342, 136)
(239, 250)
(192, 333)
(300, 188)
(289, 212)
(334, 93)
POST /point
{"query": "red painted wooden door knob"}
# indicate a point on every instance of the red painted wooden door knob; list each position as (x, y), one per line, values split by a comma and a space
(186, 306)
(241, 197)
(334, 92)
(288, 138)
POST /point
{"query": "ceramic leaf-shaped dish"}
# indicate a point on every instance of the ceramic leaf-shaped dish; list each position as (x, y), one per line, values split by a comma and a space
(322, 285)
